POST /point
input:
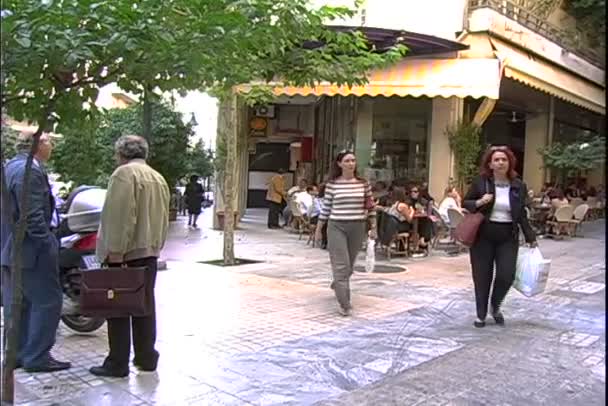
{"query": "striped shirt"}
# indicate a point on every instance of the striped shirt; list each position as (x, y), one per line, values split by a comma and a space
(345, 201)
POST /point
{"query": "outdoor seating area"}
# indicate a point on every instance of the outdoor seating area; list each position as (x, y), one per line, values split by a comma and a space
(300, 217)
(553, 215)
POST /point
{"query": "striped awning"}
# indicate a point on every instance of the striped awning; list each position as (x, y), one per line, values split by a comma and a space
(416, 77)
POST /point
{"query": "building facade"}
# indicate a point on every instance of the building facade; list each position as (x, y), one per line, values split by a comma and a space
(518, 73)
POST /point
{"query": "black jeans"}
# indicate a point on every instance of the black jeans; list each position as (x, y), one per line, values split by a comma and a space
(144, 329)
(273, 214)
(497, 244)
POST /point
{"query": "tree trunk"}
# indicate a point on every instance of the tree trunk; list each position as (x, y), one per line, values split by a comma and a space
(147, 116)
(14, 324)
(228, 107)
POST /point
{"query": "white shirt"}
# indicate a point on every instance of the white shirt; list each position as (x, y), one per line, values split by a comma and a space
(446, 204)
(305, 201)
(501, 213)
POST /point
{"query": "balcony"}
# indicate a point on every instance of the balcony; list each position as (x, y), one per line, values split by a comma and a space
(573, 41)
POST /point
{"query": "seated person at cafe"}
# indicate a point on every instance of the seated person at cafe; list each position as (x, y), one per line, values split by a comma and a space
(397, 218)
(425, 224)
(305, 199)
(424, 192)
(559, 200)
(315, 210)
(380, 193)
(451, 200)
(572, 191)
(300, 187)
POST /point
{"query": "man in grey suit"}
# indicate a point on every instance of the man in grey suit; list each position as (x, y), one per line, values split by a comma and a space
(42, 294)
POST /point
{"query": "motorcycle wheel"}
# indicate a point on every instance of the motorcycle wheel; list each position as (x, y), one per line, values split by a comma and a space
(82, 324)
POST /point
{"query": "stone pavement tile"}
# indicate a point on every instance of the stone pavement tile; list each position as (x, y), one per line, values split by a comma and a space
(214, 398)
(402, 395)
(103, 395)
(289, 392)
(224, 379)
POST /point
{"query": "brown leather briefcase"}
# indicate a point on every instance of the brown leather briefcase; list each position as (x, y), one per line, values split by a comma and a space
(114, 292)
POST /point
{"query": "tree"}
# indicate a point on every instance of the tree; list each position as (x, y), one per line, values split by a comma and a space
(575, 158)
(57, 54)
(200, 160)
(94, 142)
(591, 18)
(55, 57)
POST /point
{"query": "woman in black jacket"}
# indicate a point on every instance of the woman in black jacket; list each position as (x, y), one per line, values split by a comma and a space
(194, 200)
(501, 196)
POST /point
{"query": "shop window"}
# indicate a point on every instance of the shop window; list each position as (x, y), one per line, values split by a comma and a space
(567, 133)
(399, 148)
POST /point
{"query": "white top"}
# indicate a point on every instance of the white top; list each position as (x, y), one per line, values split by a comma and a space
(446, 204)
(501, 213)
(305, 201)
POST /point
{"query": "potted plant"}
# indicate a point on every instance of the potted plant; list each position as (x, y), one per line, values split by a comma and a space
(465, 143)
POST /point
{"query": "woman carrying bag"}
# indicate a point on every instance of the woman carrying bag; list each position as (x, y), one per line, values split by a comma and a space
(348, 209)
(500, 196)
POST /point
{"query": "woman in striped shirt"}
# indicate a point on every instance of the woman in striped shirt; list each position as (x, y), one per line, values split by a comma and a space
(348, 209)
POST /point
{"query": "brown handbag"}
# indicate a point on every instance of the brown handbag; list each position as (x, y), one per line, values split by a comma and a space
(114, 292)
(467, 230)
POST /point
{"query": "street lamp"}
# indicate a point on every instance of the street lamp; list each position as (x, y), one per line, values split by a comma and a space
(193, 121)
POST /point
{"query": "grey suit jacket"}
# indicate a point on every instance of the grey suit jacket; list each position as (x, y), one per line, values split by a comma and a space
(39, 244)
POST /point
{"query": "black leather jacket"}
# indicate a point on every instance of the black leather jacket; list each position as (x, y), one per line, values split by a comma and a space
(518, 199)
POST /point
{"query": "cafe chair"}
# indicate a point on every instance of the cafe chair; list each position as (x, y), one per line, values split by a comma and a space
(580, 214)
(561, 224)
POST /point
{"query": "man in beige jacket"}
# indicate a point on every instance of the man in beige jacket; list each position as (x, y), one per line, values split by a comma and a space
(275, 197)
(133, 230)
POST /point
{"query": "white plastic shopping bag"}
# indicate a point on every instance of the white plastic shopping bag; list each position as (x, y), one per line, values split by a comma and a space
(532, 272)
(370, 257)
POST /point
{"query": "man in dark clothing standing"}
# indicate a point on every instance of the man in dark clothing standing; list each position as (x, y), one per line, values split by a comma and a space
(42, 294)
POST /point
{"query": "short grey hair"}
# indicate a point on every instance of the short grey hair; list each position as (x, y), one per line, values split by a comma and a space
(131, 147)
(25, 139)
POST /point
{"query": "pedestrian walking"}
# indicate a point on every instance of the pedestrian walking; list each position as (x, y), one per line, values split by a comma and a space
(133, 230)
(501, 196)
(275, 197)
(348, 209)
(194, 200)
(42, 294)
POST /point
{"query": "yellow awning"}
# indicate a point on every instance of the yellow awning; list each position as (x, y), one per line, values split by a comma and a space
(416, 77)
(543, 76)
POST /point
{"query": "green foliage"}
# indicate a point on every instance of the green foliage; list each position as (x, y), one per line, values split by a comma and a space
(572, 159)
(200, 160)
(465, 143)
(9, 137)
(56, 54)
(591, 17)
(85, 154)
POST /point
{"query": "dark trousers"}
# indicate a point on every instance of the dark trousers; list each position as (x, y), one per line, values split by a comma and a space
(41, 310)
(273, 214)
(143, 329)
(496, 248)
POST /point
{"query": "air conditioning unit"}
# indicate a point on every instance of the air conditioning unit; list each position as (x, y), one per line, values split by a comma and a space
(265, 111)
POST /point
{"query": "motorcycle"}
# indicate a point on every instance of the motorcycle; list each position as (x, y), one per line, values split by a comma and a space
(80, 217)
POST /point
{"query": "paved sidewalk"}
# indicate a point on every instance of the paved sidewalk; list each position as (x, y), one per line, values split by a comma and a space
(268, 333)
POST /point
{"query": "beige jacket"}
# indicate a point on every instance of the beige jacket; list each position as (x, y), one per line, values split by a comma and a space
(135, 216)
(276, 189)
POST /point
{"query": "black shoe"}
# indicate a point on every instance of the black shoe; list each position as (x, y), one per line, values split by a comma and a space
(51, 366)
(109, 373)
(498, 318)
(479, 323)
(332, 286)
